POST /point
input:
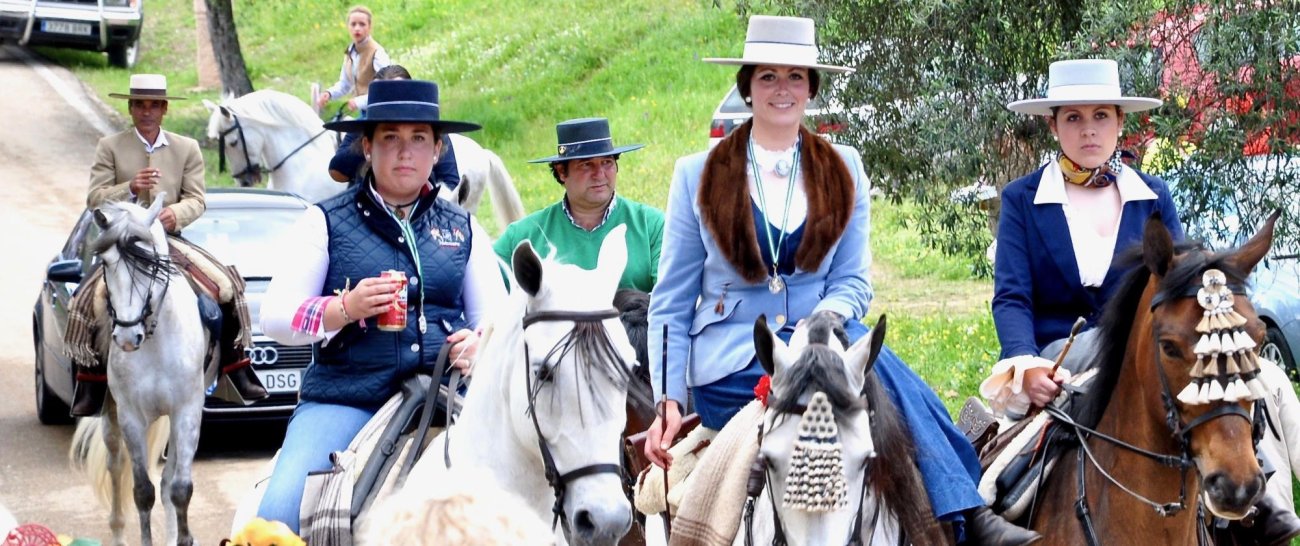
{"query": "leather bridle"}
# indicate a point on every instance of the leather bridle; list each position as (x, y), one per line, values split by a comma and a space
(249, 166)
(559, 482)
(760, 479)
(146, 313)
(1181, 431)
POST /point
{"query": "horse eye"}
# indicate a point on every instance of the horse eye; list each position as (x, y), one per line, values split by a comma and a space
(1171, 350)
(545, 374)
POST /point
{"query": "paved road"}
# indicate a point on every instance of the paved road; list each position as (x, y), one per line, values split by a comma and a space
(47, 143)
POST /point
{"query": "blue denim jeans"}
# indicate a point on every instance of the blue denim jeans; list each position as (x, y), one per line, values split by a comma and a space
(315, 431)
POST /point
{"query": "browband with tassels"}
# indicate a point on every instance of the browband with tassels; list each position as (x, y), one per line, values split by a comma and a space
(1222, 335)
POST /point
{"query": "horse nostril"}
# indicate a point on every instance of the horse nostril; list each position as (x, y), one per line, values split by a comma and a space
(139, 338)
(584, 524)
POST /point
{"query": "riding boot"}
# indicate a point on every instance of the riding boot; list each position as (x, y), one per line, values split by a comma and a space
(235, 365)
(1270, 524)
(984, 528)
(88, 393)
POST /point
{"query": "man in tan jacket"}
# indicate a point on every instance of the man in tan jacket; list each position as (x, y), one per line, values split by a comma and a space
(136, 165)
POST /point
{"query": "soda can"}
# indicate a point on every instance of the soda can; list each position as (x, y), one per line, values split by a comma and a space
(394, 319)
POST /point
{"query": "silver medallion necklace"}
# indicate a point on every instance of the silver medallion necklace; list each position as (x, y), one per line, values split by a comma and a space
(774, 283)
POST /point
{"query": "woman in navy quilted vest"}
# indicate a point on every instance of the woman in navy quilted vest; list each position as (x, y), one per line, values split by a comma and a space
(329, 291)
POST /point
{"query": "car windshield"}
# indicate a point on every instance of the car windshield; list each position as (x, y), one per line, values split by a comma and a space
(245, 238)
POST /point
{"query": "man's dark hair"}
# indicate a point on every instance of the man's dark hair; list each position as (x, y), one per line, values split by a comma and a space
(556, 165)
(393, 72)
(746, 74)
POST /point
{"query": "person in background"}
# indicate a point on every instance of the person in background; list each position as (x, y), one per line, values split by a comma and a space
(331, 286)
(775, 222)
(361, 60)
(586, 165)
(347, 163)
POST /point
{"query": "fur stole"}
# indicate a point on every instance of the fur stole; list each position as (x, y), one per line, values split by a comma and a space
(725, 204)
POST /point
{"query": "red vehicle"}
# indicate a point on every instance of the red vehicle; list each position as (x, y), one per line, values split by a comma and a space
(1182, 44)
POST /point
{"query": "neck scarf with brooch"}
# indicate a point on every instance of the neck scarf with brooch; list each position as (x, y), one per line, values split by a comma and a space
(1099, 177)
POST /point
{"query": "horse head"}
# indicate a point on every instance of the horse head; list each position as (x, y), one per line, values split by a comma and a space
(133, 248)
(816, 442)
(239, 142)
(574, 384)
(1204, 332)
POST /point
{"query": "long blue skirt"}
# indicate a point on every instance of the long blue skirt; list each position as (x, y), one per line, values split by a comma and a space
(949, 465)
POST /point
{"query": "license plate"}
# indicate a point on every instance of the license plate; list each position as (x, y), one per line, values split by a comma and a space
(280, 381)
(65, 27)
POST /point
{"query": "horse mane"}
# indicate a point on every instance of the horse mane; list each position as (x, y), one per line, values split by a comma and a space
(1117, 319)
(124, 232)
(276, 108)
(633, 307)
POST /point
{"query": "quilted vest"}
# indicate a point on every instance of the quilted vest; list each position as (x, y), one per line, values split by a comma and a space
(365, 366)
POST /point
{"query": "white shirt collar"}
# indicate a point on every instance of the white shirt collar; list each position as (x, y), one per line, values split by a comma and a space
(150, 147)
(1051, 186)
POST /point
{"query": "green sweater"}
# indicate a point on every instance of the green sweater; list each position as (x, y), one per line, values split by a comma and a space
(551, 227)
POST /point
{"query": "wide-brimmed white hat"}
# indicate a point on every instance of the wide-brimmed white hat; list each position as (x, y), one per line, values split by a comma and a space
(782, 41)
(145, 87)
(1083, 81)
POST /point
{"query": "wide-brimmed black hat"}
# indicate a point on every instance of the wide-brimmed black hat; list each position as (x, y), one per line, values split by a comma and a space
(403, 101)
(583, 138)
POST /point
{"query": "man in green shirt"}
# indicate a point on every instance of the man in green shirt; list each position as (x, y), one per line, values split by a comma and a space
(571, 230)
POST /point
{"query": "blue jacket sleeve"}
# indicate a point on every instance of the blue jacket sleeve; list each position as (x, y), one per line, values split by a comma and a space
(1013, 283)
(673, 301)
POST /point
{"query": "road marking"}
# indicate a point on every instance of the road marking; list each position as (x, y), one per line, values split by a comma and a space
(74, 98)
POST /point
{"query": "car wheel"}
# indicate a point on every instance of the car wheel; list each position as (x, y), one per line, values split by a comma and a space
(123, 56)
(1275, 348)
(50, 409)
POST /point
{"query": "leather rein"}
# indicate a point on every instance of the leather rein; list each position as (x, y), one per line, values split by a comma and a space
(559, 481)
(760, 479)
(1183, 461)
(249, 166)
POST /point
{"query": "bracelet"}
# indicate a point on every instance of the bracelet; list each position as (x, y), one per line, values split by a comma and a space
(343, 306)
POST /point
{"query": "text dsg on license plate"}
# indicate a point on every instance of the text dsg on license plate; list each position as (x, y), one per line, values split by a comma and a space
(278, 381)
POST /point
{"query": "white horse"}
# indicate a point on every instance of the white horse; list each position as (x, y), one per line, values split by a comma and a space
(545, 414)
(155, 376)
(831, 448)
(275, 132)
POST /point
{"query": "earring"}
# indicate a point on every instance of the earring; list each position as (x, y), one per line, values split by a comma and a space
(749, 100)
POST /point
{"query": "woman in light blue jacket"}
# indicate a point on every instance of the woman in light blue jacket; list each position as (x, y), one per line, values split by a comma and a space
(775, 221)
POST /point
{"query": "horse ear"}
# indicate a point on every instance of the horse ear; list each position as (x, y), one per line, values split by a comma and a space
(100, 219)
(862, 355)
(155, 208)
(764, 344)
(613, 256)
(225, 112)
(211, 106)
(1157, 246)
(527, 268)
(462, 193)
(1248, 255)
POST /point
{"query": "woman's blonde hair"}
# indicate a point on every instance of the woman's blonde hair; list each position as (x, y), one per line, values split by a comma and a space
(363, 10)
(467, 508)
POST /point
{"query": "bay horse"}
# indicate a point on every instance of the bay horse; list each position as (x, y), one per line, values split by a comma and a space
(545, 413)
(273, 132)
(1152, 466)
(155, 376)
(835, 461)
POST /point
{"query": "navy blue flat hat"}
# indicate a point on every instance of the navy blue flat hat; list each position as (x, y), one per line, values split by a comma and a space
(403, 101)
(584, 138)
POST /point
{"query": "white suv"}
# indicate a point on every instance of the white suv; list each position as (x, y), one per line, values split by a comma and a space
(95, 25)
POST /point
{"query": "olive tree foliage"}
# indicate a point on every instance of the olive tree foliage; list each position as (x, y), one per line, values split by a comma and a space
(926, 105)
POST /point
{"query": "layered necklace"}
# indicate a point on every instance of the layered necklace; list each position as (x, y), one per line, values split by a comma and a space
(774, 283)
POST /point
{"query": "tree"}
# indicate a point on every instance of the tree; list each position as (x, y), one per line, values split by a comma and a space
(933, 78)
(225, 46)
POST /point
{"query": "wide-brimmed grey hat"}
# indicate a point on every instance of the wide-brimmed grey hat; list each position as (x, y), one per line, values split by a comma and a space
(584, 138)
(782, 41)
(147, 87)
(1083, 81)
(403, 101)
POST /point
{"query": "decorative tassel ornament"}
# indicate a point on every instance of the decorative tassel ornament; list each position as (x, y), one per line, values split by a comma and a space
(1203, 396)
(816, 481)
(1216, 390)
(1257, 389)
(1189, 394)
